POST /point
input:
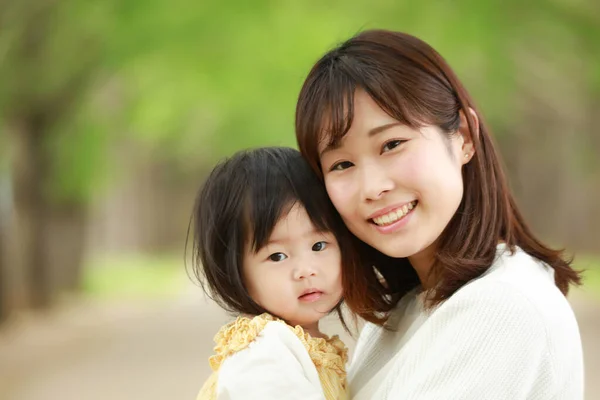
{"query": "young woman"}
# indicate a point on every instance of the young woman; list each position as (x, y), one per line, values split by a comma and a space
(471, 304)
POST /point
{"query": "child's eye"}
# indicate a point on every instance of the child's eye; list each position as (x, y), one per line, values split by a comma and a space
(392, 144)
(341, 166)
(276, 257)
(319, 246)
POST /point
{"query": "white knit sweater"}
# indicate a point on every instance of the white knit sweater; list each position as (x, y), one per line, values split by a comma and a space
(510, 334)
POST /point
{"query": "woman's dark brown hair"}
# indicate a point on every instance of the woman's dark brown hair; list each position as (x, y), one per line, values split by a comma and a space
(411, 82)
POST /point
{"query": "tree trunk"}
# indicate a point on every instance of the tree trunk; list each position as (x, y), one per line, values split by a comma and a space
(65, 244)
(29, 182)
(3, 275)
(548, 129)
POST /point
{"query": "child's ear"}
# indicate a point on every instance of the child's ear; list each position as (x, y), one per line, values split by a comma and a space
(467, 133)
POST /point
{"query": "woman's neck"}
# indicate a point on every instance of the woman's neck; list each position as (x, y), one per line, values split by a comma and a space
(422, 263)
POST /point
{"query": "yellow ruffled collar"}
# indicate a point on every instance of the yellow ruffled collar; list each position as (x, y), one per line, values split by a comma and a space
(324, 352)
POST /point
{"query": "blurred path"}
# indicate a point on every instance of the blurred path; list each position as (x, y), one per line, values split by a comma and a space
(588, 316)
(151, 351)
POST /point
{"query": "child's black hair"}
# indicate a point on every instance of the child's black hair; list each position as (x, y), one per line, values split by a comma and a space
(239, 205)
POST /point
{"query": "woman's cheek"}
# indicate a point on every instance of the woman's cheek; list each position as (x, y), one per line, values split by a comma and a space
(335, 190)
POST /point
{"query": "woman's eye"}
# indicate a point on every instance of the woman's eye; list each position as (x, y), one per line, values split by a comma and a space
(319, 246)
(392, 144)
(341, 166)
(276, 257)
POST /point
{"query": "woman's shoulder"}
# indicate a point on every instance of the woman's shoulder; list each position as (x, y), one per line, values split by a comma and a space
(517, 286)
(516, 278)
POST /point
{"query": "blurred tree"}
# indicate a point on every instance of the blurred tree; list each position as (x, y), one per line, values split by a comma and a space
(551, 138)
(4, 211)
(50, 52)
(4, 310)
(185, 82)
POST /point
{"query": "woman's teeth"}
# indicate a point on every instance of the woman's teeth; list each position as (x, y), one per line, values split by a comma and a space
(395, 215)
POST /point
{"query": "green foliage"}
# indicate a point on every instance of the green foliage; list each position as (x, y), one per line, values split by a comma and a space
(50, 55)
(199, 80)
(591, 275)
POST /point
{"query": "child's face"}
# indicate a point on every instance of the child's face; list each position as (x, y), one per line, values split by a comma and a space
(297, 275)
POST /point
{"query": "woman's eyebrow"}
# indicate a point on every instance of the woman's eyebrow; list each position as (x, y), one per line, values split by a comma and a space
(381, 128)
(372, 132)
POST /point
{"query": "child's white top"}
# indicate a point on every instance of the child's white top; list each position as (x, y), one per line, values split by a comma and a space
(510, 334)
(264, 358)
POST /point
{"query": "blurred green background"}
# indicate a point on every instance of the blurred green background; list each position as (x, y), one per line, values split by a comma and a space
(113, 112)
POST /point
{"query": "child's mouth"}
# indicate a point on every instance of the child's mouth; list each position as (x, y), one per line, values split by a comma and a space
(310, 295)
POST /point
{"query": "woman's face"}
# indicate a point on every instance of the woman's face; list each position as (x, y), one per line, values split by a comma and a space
(395, 187)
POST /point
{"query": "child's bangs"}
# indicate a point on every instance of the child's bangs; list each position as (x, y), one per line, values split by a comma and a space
(274, 191)
(261, 216)
(259, 229)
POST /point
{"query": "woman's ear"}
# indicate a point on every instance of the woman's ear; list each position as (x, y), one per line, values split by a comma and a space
(467, 133)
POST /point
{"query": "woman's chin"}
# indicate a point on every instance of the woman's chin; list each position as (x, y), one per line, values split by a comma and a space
(392, 250)
(396, 250)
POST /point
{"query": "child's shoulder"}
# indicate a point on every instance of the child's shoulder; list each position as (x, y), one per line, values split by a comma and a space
(239, 334)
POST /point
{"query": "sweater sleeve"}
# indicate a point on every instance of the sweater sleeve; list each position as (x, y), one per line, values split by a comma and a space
(487, 342)
(275, 366)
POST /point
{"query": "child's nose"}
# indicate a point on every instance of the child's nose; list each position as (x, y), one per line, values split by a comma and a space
(305, 270)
